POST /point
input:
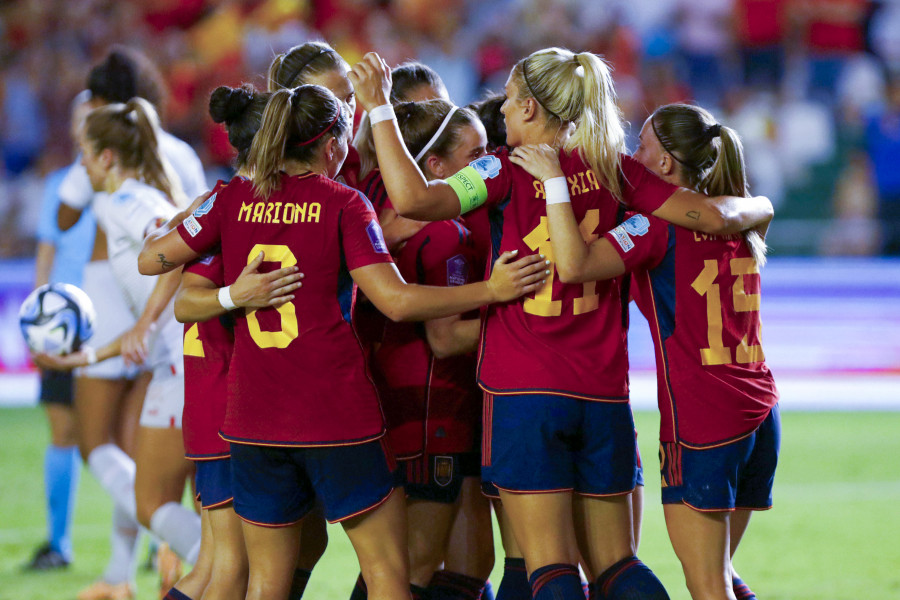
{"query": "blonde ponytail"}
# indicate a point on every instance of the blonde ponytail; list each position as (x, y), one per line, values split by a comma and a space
(578, 88)
(266, 158)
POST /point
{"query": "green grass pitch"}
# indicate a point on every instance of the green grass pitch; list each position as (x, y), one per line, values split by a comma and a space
(834, 532)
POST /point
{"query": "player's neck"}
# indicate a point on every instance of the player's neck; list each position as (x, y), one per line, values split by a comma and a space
(116, 177)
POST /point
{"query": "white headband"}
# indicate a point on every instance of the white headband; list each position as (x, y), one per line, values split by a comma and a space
(437, 134)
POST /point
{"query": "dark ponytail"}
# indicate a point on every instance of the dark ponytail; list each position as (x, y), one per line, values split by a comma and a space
(241, 110)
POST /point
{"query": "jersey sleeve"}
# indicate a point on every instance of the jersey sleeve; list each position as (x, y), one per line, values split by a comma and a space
(361, 236)
(641, 241)
(202, 229)
(486, 180)
(47, 229)
(210, 266)
(138, 214)
(643, 191)
(75, 190)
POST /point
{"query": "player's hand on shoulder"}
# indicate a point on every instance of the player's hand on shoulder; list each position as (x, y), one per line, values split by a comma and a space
(253, 289)
(512, 278)
(541, 161)
(371, 79)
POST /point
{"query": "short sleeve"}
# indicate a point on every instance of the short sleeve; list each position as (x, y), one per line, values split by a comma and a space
(137, 214)
(361, 236)
(486, 180)
(210, 266)
(47, 229)
(202, 229)
(641, 241)
(643, 191)
(75, 190)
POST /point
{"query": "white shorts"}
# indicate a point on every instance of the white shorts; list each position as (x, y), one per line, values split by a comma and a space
(164, 401)
(113, 319)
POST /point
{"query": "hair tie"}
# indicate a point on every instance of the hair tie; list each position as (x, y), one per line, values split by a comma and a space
(437, 134)
(531, 90)
(714, 131)
(323, 132)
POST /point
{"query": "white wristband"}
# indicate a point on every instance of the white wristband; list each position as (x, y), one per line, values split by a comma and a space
(90, 354)
(385, 112)
(557, 190)
(225, 298)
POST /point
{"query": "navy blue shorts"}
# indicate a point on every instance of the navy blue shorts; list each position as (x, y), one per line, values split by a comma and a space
(640, 464)
(434, 477)
(277, 486)
(213, 481)
(57, 387)
(536, 443)
(738, 475)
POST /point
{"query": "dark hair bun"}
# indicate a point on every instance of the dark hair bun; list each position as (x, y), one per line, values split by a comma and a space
(227, 104)
(115, 79)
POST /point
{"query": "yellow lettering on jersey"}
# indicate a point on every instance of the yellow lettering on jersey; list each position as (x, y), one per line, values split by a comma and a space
(539, 192)
(245, 212)
(277, 210)
(315, 209)
(574, 188)
(289, 328)
(592, 180)
(258, 209)
(289, 214)
(269, 207)
(584, 187)
(192, 344)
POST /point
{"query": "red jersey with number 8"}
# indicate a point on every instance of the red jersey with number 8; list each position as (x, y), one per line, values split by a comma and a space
(207, 354)
(566, 339)
(298, 375)
(701, 296)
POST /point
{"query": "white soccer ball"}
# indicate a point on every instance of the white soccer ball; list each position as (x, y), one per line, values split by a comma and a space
(57, 318)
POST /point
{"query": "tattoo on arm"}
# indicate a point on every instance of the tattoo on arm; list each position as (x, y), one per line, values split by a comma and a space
(165, 263)
(691, 214)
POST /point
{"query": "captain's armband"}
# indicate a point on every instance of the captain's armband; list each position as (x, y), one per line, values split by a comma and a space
(470, 189)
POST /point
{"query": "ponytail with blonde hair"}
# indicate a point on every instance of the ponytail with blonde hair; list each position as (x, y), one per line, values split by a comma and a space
(295, 124)
(131, 130)
(578, 89)
(709, 156)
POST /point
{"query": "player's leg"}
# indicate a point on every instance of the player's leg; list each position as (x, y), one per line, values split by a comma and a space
(738, 523)
(313, 541)
(192, 585)
(607, 469)
(272, 553)
(700, 541)
(514, 584)
(469, 557)
(62, 468)
(230, 565)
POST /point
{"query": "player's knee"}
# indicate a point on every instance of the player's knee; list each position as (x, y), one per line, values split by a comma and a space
(705, 584)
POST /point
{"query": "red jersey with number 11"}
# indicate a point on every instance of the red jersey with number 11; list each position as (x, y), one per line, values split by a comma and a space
(298, 375)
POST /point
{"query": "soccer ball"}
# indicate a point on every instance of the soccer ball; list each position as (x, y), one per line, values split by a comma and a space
(57, 318)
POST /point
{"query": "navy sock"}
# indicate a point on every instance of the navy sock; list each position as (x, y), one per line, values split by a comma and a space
(62, 467)
(447, 585)
(488, 592)
(174, 594)
(629, 579)
(298, 583)
(360, 591)
(556, 582)
(514, 585)
(742, 591)
(418, 592)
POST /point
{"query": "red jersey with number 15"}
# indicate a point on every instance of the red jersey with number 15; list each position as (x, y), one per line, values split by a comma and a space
(566, 339)
(207, 354)
(701, 295)
(298, 375)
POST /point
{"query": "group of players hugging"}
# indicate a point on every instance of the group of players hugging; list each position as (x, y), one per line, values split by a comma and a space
(405, 322)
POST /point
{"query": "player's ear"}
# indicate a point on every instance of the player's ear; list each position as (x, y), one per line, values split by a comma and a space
(330, 148)
(666, 164)
(436, 166)
(529, 108)
(107, 158)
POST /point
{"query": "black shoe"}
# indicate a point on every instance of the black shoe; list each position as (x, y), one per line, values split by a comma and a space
(47, 559)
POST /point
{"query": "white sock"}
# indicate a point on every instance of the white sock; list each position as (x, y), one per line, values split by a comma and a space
(115, 471)
(179, 527)
(123, 542)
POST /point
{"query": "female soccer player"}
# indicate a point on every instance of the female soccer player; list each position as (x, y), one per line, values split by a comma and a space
(109, 394)
(120, 152)
(303, 417)
(430, 398)
(719, 426)
(558, 426)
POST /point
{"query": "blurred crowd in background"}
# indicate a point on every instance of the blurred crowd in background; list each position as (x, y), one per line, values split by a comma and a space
(812, 86)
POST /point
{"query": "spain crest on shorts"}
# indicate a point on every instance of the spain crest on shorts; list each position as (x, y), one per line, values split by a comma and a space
(443, 470)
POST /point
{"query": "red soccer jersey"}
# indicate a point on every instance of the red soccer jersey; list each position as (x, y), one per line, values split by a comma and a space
(431, 405)
(298, 375)
(701, 295)
(567, 339)
(207, 354)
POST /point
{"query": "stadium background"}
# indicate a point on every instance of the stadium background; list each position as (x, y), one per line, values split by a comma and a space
(813, 87)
